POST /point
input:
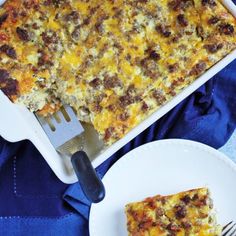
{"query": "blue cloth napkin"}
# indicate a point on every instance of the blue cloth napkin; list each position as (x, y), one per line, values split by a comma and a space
(34, 201)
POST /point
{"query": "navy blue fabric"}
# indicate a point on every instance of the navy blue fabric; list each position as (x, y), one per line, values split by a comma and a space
(34, 201)
(23, 175)
(68, 225)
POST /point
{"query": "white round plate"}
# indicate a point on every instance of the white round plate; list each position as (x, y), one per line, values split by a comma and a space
(164, 167)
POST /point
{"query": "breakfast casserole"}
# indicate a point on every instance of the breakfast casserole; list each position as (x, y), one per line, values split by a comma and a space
(186, 213)
(114, 61)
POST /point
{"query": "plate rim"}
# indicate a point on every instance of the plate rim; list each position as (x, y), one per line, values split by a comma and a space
(185, 142)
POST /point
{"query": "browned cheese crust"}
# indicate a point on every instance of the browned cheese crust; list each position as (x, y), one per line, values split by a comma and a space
(186, 213)
(115, 62)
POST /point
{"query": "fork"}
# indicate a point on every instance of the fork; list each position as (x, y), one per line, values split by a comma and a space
(229, 229)
(64, 130)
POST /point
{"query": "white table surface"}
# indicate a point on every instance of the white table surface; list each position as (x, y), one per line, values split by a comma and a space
(229, 148)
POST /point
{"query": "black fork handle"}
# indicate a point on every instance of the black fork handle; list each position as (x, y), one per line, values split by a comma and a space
(90, 182)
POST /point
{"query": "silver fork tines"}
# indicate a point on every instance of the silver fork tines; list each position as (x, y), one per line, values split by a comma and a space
(62, 126)
(229, 229)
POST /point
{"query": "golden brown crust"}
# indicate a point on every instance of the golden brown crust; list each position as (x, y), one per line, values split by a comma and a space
(185, 213)
(115, 62)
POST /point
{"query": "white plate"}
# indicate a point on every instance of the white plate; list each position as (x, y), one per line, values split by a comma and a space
(164, 167)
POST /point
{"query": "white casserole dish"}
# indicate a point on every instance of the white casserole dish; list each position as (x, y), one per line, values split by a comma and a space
(17, 123)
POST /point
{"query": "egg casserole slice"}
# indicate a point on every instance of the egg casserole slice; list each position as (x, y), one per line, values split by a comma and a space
(114, 61)
(185, 213)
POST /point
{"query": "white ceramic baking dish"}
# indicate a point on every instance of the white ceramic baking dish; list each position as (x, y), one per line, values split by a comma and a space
(17, 123)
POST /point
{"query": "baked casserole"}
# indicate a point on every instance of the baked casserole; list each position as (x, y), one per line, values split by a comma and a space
(185, 213)
(114, 61)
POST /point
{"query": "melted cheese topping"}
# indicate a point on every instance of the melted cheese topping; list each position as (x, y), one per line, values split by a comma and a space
(115, 62)
(185, 213)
